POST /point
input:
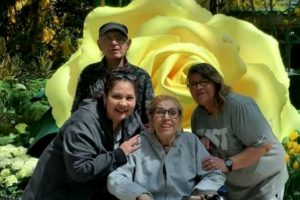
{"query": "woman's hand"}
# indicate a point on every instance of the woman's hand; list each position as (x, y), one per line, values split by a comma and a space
(205, 141)
(131, 145)
(213, 163)
(144, 197)
(197, 197)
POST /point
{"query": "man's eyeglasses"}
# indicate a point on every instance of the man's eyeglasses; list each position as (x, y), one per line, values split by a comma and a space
(161, 112)
(108, 39)
(194, 84)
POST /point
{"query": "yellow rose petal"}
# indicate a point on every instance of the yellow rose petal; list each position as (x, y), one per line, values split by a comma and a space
(168, 37)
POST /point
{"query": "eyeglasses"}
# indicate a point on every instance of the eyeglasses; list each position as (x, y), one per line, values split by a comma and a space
(121, 74)
(108, 39)
(194, 84)
(161, 112)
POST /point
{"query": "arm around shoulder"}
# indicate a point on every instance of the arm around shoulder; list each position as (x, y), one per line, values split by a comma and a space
(212, 180)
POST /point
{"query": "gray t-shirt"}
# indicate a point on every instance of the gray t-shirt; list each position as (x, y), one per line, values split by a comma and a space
(238, 126)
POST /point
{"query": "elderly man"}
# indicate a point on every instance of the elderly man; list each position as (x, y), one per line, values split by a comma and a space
(114, 43)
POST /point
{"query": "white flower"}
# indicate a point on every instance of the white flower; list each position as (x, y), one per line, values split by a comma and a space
(17, 151)
(5, 172)
(10, 180)
(18, 164)
(28, 168)
(4, 162)
(6, 151)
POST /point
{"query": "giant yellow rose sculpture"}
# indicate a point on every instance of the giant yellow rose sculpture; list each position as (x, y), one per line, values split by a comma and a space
(168, 37)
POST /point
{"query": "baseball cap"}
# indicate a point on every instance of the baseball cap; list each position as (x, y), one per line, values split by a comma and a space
(113, 26)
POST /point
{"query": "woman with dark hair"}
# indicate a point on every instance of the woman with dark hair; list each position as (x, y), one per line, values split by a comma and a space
(96, 140)
(168, 164)
(241, 142)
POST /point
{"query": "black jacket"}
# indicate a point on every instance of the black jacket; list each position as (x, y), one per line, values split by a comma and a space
(76, 163)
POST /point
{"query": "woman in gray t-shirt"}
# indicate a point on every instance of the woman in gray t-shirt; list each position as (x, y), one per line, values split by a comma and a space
(239, 138)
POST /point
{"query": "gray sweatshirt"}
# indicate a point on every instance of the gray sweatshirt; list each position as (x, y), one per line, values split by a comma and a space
(163, 175)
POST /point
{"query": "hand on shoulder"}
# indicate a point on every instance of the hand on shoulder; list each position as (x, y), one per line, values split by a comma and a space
(144, 197)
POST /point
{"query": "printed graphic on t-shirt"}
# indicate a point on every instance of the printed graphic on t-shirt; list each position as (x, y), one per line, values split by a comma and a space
(216, 136)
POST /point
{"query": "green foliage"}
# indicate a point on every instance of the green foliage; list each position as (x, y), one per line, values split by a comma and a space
(10, 67)
(34, 29)
(50, 29)
(17, 108)
(14, 69)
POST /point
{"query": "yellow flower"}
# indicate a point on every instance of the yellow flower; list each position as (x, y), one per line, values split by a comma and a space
(287, 158)
(293, 136)
(297, 148)
(297, 12)
(285, 22)
(48, 34)
(19, 5)
(44, 3)
(296, 165)
(56, 20)
(12, 14)
(168, 37)
(290, 145)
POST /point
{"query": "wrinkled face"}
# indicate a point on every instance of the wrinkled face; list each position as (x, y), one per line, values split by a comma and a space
(202, 89)
(166, 119)
(114, 45)
(120, 101)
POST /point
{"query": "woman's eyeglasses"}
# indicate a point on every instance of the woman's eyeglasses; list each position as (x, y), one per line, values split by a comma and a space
(161, 112)
(194, 84)
(123, 76)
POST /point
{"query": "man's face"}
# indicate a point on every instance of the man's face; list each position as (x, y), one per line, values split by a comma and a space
(114, 45)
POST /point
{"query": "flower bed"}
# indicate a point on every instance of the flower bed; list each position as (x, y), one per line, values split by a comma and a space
(16, 168)
(292, 157)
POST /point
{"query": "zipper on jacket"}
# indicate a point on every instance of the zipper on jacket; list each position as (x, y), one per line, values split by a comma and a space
(165, 175)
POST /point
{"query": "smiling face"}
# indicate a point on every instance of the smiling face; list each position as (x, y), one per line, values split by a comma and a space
(120, 101)
(114, 45)
(202, 89)
(166, 120)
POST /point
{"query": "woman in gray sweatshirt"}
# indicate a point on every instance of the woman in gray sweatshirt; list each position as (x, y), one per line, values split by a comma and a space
(168, 164)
